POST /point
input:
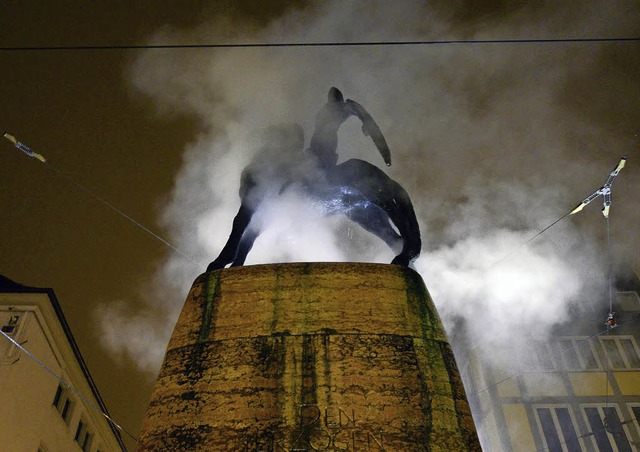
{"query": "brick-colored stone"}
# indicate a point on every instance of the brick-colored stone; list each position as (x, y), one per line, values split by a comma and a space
(304, 357)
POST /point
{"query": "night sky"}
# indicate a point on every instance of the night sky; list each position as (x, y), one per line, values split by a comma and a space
(487, 139)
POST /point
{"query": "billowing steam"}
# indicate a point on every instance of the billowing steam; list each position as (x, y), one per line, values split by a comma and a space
(492, 142)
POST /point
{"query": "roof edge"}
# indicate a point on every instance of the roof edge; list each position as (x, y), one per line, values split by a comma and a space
(9, 286)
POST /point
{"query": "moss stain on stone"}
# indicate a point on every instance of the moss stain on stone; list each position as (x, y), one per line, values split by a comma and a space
(326, 363)
(463, 411)
(213, 289)
(196, 364)
(305, 340)
(276, 301)
(419, 302)
(309, 389)
(308, 294)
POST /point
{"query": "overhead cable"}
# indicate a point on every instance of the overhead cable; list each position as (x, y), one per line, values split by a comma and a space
(29, 152)
(89, 403)
(239, 45)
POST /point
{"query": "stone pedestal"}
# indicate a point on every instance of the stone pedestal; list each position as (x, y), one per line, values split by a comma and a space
(306, 357)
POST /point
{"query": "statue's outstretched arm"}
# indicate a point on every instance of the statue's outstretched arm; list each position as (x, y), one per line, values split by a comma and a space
(370, 128)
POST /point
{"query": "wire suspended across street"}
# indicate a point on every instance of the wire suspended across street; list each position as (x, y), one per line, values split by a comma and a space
(29, 152)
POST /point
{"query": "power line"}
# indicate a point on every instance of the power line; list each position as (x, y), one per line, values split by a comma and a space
(121, 213)
(241, 45)
(605, 192)
(525, 244)
(29, 152)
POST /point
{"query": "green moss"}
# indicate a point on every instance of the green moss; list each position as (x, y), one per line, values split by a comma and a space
(419, 302)
(213, 283)
(276, 301)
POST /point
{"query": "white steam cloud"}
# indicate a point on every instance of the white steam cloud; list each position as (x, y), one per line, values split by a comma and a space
(492, 143)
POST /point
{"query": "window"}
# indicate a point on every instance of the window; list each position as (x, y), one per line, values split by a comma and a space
(543, 355)
(558, 429)
(80, 430)
(607, 429)
(86, 444)
(58, 396)
(578, 353)
(621, 351)
(66, 411)
(83, 436)
(63, 403)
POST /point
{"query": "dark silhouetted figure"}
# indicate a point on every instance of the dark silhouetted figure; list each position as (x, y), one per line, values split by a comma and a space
(335, 112)
(279, 160)
(355, 188)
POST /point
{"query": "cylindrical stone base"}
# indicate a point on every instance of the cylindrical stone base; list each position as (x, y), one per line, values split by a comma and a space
(306, 357)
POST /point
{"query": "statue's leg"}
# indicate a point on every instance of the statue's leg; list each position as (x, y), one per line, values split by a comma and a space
(230, 250)
(404, 217)
(246, 243)
(376, 221)
(389, 196)
(395, 201)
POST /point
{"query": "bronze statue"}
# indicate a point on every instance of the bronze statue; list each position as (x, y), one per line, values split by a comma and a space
(355, 188)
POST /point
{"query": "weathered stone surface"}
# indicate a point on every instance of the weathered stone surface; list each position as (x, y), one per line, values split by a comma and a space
(304, 357)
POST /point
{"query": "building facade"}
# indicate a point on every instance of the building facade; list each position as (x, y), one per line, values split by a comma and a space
(39, 412)
(577, 391)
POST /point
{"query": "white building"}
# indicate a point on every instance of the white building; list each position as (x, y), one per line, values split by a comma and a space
(37, 411)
